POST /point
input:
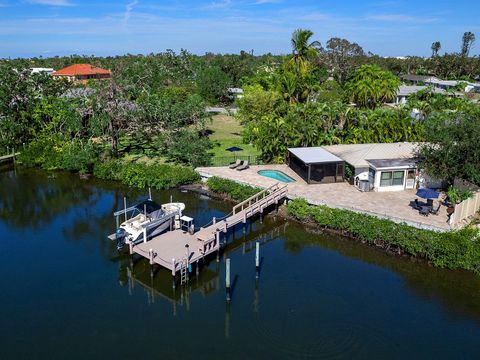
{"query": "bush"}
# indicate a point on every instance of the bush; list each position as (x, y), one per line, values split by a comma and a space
(158, 176)
(51, 152)
(454, 249)
(231, 188)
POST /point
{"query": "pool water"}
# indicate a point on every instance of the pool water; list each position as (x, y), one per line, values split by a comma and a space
(277, 175)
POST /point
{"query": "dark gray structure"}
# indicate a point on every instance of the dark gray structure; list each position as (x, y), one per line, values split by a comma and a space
(316, 165)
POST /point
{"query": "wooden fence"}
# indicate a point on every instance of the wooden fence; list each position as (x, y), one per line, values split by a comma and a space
(465, 209)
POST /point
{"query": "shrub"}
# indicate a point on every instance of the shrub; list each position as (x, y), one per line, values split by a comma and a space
(231, 188)
(158, 176)
(299, 209)
(454, 249)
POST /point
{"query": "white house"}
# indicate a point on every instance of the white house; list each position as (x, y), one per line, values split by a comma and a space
(405, 91)
(380, 167)
(48, 71)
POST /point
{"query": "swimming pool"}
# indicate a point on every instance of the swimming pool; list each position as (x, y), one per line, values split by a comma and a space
(277, 175)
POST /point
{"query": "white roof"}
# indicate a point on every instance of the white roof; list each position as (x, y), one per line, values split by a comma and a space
(406, 90)
(186, 218)
(311, 155)
(358, 154)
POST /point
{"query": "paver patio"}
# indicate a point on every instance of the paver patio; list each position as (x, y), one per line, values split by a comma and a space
(394, 205)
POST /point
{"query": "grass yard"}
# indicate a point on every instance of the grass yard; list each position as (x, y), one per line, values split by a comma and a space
(225, 133)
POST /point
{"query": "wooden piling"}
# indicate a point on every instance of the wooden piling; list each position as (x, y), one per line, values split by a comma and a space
(257, 259)
(150, 256)
(227, 278)
(125, 207)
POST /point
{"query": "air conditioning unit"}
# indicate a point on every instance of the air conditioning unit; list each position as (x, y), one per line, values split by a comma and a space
(364, 185)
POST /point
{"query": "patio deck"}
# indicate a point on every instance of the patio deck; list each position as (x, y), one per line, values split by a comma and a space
(393, 205)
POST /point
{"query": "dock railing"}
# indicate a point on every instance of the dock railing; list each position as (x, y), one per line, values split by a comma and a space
(256, 198)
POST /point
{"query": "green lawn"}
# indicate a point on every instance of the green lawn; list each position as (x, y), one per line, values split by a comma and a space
(226, 133)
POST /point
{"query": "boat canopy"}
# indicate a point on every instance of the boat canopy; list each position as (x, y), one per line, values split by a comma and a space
(149, 205)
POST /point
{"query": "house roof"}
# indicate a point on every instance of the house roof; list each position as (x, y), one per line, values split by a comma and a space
(392, 163)
(413, 77)
(406, 90)
(358, 155)
(313, 155)
(81, 69)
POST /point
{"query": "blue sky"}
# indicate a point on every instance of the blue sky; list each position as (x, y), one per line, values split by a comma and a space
(390, 28)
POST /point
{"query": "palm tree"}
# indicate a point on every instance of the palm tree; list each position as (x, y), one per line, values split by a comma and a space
(467, 42)
(370, 86)
(303, 50)
(436, 46)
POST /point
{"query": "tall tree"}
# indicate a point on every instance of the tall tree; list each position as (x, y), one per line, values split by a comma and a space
(339, 57)
(436, 46)
(467, 42)
(303, 50)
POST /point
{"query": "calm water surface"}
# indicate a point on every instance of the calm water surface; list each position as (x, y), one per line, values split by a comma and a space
(65, 292)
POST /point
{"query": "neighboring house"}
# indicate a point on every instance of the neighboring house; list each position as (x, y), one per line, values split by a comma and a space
(378, 167)
(234, 93)
(417, 79)
(83, 73)
(404, 91)
(48, 71)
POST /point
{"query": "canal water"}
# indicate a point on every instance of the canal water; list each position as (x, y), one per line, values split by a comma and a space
(65, 292)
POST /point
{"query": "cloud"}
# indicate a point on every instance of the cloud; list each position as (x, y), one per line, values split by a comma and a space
(51, 2)
(262, 2)
(220, 4)
(401, 18)
(128, 10)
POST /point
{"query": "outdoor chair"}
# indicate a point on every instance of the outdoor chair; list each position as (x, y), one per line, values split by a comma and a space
(417, 205)
(243, 167)
(425, 210)
(435, 211)
(236, 164)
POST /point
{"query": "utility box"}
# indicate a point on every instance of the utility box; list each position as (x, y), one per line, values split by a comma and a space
(364, 185)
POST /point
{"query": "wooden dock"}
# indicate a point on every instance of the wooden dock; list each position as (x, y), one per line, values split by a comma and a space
(176, 250)
(8, 158)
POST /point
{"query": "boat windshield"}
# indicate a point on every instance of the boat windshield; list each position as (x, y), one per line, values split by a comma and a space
(149, 205)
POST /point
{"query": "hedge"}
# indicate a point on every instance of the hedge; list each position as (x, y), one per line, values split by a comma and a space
(231, 188)
(158, 176)
(454, 249)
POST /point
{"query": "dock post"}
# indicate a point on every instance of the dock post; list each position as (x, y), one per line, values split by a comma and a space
(214, 220)
(149, 193)
(261, 215)
(150, 256)
(257, 260)
(130, 247)
(197, 269)
(227, 278)
(171, 198)
(144, 235)
(173, 272)
(125, 207)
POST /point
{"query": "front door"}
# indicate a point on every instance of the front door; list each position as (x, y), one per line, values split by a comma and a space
(410, 183)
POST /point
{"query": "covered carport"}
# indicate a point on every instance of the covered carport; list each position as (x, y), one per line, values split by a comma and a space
(316, 165)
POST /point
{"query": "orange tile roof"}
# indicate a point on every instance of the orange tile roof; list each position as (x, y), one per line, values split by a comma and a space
(81, 69)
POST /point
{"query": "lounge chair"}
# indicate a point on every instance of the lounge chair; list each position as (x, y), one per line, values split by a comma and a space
(435, 211)
(236, 164)
(243, 166)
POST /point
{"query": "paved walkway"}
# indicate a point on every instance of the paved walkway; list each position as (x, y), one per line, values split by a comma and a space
(394, 205)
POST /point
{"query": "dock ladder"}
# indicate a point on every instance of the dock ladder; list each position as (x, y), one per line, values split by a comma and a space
(183, 272)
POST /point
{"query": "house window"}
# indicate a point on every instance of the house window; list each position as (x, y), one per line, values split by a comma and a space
(391, 178)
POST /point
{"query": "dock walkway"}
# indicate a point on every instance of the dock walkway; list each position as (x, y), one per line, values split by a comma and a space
(177, 249)
(8, 158)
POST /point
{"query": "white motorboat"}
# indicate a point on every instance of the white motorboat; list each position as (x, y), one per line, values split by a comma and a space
(145, 220)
